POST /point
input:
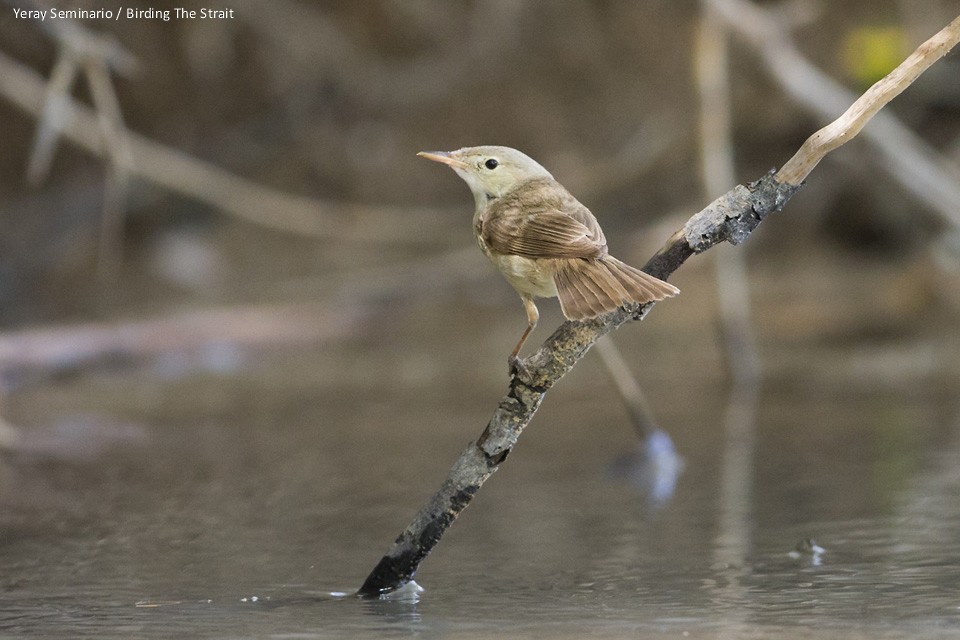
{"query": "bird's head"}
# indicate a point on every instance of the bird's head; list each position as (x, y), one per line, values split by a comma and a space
(489, 171)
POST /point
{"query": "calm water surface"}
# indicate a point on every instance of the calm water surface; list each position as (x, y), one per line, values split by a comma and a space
(234, 504)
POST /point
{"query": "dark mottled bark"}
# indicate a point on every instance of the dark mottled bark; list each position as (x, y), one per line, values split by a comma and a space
(731, 218)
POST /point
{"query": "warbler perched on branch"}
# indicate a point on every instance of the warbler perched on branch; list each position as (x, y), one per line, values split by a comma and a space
(544, 242)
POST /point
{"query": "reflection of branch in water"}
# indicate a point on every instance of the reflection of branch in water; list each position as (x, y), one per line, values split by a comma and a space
(931, 499)
(655, 465)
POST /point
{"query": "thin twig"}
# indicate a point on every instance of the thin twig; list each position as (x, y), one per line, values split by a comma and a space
(732, 217)
(51, 121)
(797, 168)
(929, 176)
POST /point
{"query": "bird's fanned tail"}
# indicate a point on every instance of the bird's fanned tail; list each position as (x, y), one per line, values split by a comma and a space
(591, 287)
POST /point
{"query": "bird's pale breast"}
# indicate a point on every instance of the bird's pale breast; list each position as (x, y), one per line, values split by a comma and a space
(531, 277)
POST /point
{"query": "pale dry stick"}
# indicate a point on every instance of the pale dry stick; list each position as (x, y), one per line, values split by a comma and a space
(110, 246)
(38, 353)
(78, 47)
(110, 117)
(733, 280)
(72, 58)
(795, 170)
(930, 177)
(95, 55)
(423, 274)
(732, 217)
(49, 350)
(198, 337)
(87, 44)
(50, 122)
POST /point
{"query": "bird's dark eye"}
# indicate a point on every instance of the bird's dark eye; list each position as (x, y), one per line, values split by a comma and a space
(491, 164)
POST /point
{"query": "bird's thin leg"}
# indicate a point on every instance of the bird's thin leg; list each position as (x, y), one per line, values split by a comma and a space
(533, 316)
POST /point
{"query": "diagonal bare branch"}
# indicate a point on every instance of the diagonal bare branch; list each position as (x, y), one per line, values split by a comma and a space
(920, 169)
(731, 217)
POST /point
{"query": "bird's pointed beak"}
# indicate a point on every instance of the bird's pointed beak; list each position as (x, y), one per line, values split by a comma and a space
(444, 157)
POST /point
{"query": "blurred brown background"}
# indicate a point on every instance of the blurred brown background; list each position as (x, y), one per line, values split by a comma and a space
(288, 336)
(330, 101)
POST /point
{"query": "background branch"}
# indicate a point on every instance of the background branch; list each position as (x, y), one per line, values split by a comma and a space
(919, 168)
(53, 350)
(733, 536)
(194, 178)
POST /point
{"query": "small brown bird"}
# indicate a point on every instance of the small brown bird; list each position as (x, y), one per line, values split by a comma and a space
(543, 240)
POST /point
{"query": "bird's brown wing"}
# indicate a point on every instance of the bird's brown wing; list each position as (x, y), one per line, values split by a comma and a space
(542, 220)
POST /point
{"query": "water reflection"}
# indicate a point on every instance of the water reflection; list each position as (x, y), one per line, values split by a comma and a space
(653, 468)
(286, 481)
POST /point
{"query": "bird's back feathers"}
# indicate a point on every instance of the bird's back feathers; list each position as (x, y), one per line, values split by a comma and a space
(540, 219)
